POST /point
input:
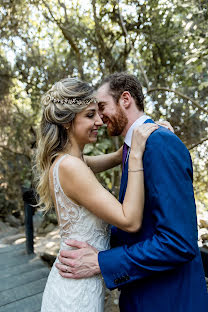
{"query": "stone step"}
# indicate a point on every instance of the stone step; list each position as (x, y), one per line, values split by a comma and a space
(13, 260)
(34, 264)
(12, 253)
(29, 304)
(11, 248)
(22, 279)
(10, 239)
(21, 292)
(6, 230)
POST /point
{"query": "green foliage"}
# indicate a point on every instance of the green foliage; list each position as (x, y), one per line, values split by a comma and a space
(44, 41)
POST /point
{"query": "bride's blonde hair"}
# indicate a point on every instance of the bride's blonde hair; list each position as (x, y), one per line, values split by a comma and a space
(60, 104)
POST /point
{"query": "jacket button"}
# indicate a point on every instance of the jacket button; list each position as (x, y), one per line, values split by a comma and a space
(116, 281)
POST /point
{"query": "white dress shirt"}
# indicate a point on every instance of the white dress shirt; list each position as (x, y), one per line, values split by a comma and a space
(138, 122)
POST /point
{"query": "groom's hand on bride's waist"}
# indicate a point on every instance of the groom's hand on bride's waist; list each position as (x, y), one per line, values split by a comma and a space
(78, 263)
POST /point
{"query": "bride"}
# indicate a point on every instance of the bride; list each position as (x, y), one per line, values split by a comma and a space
(66, 180)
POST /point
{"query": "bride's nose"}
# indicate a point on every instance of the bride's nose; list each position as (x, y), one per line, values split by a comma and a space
(98, 120)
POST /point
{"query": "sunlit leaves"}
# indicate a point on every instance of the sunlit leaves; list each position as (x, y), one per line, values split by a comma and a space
(44, 41)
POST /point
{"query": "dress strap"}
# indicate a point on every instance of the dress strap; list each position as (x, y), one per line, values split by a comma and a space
(56, 182)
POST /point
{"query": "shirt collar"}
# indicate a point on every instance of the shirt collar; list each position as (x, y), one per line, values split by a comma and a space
(138, 122)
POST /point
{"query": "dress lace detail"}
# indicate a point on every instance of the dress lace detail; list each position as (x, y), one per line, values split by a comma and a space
(76, 222)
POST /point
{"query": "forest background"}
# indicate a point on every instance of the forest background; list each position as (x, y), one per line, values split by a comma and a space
(164, 43)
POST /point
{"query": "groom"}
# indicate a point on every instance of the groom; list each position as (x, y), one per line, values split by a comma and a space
(158, 269)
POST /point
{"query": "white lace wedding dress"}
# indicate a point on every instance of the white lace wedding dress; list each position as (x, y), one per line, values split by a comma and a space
(76, 222)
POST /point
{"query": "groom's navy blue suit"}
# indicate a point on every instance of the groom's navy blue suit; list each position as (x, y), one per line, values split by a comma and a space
(159, 269)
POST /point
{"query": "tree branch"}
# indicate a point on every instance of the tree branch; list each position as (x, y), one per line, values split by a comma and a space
(67, 36)
(65, 10)
(133, 48)
(195, 103)
(70, 40)
(99, 39)
(195, 145)
(97, 25)
(53, 18)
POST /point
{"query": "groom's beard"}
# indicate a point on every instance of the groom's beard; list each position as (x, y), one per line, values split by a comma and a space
(117, 122)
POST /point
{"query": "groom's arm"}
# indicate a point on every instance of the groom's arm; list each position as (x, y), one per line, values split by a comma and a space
(168, 179)
(104, 162)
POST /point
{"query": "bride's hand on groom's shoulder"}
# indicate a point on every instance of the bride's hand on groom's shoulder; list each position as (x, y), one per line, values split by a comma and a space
(78, 263)
(139, 137)
(165, 124)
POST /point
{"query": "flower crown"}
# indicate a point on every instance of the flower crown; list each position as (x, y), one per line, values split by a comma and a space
(73, 101)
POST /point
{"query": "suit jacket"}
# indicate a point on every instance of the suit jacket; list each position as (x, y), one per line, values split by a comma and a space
(159, 268)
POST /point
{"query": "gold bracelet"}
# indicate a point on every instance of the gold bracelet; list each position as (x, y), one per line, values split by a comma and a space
(132, 170)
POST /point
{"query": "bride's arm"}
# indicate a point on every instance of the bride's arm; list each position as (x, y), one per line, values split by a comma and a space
(103, 162)
(107, 161)
(85, 189)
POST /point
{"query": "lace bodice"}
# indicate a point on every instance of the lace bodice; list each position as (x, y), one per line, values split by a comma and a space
(76, 222)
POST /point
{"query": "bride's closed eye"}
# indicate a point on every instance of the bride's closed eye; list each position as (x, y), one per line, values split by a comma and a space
(91, 115)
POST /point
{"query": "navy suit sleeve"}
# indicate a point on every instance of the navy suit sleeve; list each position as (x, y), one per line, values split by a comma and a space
(169, 191)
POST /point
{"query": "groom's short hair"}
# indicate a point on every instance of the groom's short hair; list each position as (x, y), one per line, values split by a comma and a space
(120, 82)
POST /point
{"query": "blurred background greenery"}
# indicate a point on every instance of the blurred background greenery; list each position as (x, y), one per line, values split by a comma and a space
(164, 43)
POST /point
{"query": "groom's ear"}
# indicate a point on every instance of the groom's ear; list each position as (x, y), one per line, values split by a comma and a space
(125, 99)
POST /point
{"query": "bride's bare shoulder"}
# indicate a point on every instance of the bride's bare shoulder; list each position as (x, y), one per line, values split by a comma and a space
(72, 165)
(73, 172)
